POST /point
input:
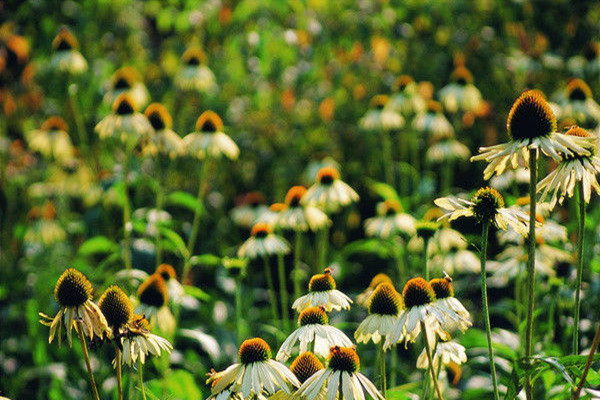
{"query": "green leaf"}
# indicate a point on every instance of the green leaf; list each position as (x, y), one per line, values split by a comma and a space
(97, 245)
(383, 190)
(176, 240)
(196, 292)
(176, 384)
(185, 200)
(205, 259)
(377, 247)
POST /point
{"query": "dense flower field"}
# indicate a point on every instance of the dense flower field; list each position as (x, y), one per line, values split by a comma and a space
(305, 200)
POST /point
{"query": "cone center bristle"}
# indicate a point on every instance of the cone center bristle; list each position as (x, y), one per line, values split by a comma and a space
(442, 288)
(486, 203)
(321, 282)
(72, 289)
(385, 300)
(344, 359)
(313, 316)
(254, 350)
(417, 292)
(305, 366)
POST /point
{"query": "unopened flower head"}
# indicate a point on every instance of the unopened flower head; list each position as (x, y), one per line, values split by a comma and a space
(116, 307)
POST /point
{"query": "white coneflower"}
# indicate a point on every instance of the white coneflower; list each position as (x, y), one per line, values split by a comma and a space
(322, 292)
(385, 306)
(433, 122)
(175, 289)
(531, 125)
(340, 379)
(165, 140)
(248, 209)
(458, 316)
(73, 292)
(66, 58)
(406, 98)
(421, 311)
(270, 215)
(379, 117)
(137, 342)
(195, 74)
(154, 303)
(314, 330)
(52, 140)
(263, 242)
(125, 123)
(390, 221)
(298, 217)
(461, 94)
(255, 374)
(209, 140)
(577, 102)
(445, 353)
(363, 298)
(304, 366)
(329, 192)
(447, 149)
(127, 80)
(572, 170)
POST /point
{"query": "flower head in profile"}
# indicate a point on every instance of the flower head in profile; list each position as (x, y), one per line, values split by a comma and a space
(406, 98)
(248, 209)
(263, 242)
(127, 80)
(385, 306)
(457, 314)
(125, 123)
(175, 289)
(531, 124)
(329, 192)
(194, 74)
(486, 206)
(390, 221)
(271, 214)
(322, 292)
(73, 293)
(446, 353)
(421, 309)
(52, 140)
(577, 102)
(446, 148)
(363, 298)
(116, 308)
(340, 379)
(66, 57)
(380, 117)
(165, 140)
(301, 217)
(433, 122)
(255, 375)
(560, 183)
(138, 342)
(153, 298)
(209, 140)
(314, 329)
(460, 94)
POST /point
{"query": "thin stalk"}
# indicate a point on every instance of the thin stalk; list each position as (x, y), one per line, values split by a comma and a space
(393, 366)
(588, 364)
(322, 248)
(119, 374)
(531, 267)
(447, 177)
(426, 259)
(238, 309)
(86, 356)
(159, 206)
(386, 152)
(127, 227)
(196, 223)
(297, 274)
(77, 118)
(382, 370)
(271, 287)
(141, 379)
(283, 293)
(399, 259)
(430, 359)
(484, 302)
(580, 244)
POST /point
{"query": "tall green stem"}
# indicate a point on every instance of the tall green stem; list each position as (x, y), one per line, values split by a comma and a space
(580, 244)
(202, 184)
(426, 259)
(283, 293)
(484, 302)
(386, 152)
(127, 227)
(119, 374)
(141, 379)
(297, 274)
(531, 267)
(430, 359)
(447, 177)
(238, 309)
(271, 288)
(86, 356)
(382, 370)
(588, 364)
(159, 206)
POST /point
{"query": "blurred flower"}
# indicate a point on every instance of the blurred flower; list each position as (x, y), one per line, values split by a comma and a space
(73, 292)
(340, 379)
(406, 98)
(510, 178)
(571, 170)
(271, 214)
(363, 298)
(329, 192)
(458, 316)
(588, 62)
(322, 293)
(164, 141)
(137, 342)
(127, 80)
(175, 289)
(299, 217)
(44, 230)
(194, 74)
(419, 300)
(250, 207)
(385, 306)
(461, 94)
(153, 303)
(531, 125)
(445, 149)
(445, 353)
(433, 122)
(125, 123)
(208, 140)
(313, 329)
(390, 221)
(52, 140)
(263, 242)
(576, 102)
(379, 117)
(256, 373)
(66, 57)
(74, 179)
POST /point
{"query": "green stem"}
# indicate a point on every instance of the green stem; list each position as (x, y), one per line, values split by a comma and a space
(399, 259)
(271, 287)
(430, 359)
(159, 206)
(531, 267)
(580, 244)
(86, 356)
(297, 271)
(141, 379)
(119, 374)
(283, 293)
(238, 309)
(447, 177)
(322, 248)
(484, 302)
(393, 366)
(386, 152)
(127, 227)
(196, 223)
(426, 259)
(588, 364)
(82, 136)
(382, 371)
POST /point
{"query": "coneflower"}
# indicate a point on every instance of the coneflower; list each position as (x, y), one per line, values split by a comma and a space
(67, 58)
(322, 292)
(127, 80)
(460, 94)
(194, 74)
(52, 140)
(153, 302)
